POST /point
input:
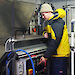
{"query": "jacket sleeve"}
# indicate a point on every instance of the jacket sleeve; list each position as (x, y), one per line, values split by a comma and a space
(57, 27)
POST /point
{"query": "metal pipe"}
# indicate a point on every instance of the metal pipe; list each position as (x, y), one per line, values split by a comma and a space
(72, 46)
(10, 40)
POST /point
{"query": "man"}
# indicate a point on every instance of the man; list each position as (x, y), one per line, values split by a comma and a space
(58, 43)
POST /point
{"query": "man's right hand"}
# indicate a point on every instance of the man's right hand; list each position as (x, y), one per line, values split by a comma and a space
(42, 59)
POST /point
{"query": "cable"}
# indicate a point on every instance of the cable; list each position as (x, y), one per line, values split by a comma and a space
(7, 69)
(7, 64)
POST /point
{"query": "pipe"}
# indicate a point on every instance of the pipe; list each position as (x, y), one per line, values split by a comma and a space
(72, 46)
(10, 40)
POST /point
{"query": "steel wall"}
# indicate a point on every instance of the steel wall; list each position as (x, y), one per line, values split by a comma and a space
(13, 15)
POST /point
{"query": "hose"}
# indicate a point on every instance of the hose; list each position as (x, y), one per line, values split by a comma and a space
(29, 57)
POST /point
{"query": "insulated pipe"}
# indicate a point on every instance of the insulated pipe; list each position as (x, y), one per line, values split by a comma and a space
(72, 46)
(10, 40)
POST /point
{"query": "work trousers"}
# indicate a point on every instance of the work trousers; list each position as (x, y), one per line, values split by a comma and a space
(57, 66)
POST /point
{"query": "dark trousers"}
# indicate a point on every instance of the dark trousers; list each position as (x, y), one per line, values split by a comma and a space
(57, 66)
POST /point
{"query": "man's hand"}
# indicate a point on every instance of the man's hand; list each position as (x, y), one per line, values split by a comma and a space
(46, 35)
(42, 59)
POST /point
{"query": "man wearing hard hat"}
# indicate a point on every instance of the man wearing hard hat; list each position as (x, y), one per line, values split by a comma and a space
(58, 49)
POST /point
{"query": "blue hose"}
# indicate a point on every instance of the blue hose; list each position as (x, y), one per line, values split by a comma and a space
(30, 59)
(8, 73)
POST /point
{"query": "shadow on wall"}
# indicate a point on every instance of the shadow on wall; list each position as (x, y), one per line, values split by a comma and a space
(13, 15)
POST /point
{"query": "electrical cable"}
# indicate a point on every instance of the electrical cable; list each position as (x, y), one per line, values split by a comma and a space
(7, 64)
(29, 57)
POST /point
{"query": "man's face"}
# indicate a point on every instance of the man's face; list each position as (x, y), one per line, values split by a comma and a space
(45, 15)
